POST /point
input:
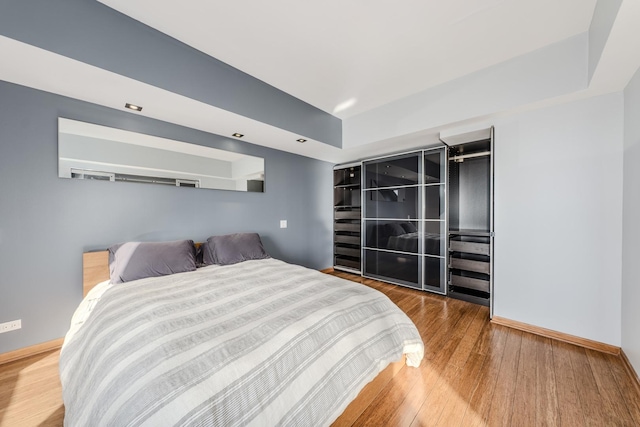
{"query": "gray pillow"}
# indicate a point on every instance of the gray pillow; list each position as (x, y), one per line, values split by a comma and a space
(135, 260)
(233, 248)
(408, 227)
(393, 229)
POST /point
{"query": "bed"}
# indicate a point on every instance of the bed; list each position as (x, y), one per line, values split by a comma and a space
(258, 342)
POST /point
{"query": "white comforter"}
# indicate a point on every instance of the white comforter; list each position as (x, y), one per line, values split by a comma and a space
(256, 343)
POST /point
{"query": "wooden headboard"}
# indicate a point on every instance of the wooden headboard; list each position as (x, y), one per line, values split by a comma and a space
(95, 269)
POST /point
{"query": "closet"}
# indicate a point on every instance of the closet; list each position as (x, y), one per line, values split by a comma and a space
(346, 218)
(422, 219)
(470, 268)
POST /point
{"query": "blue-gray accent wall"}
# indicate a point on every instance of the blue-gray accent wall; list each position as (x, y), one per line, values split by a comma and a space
(93, 33)
(47, 222)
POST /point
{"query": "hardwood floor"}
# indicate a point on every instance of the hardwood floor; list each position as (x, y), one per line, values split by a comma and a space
(473, 374)
(30, 392)
(478, 374)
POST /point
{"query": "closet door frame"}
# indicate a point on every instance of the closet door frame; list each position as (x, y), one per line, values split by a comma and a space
(491, 222)
(421, 220)
(444, 199)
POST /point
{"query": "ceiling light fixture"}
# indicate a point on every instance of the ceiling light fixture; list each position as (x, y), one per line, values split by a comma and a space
(132, 107)
(238, 135)
(301, 140)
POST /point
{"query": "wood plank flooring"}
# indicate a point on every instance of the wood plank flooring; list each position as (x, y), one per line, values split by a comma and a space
(479, 374)
(474, 374)
(30, 392)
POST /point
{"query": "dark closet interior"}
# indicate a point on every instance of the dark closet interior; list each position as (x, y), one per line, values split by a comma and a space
(470, 225)
(347, 214)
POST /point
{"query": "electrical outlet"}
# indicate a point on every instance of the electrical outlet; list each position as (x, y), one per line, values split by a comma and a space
(10, 326)
(283, 223)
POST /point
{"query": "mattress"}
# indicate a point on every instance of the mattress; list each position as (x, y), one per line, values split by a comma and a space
(261, 342)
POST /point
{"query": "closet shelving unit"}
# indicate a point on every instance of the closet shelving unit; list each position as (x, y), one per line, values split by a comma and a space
(470, 269)
(347, 216)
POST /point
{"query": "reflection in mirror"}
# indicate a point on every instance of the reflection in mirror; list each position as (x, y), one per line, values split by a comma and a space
(88, 151)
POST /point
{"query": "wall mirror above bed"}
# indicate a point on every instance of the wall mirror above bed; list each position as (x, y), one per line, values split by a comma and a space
(90, 151)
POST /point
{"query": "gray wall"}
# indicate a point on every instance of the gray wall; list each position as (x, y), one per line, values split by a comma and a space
(551, 71)
(93, 33)
(558, 217)
(631, 224)
(47, 222)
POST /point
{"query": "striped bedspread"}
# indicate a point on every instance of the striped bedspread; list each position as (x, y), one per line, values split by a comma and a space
(259, 343)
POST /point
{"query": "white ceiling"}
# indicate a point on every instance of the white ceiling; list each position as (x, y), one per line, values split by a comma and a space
(315, 53)
(347, 57)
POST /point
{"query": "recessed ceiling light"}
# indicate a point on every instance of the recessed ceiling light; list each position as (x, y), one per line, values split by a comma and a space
(238, 135)
(132, 107)
(301, 140)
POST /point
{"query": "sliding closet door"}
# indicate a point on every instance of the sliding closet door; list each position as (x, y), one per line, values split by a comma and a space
(392, 201)
(404, 226)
